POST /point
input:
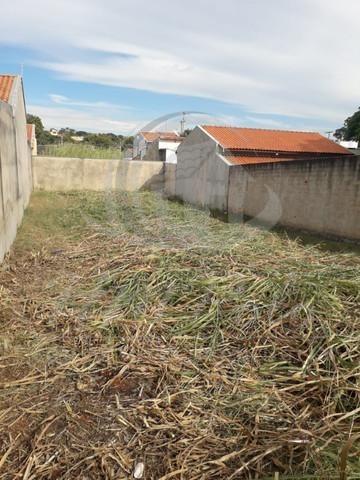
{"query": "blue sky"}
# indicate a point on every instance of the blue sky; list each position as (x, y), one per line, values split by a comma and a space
(117, 65)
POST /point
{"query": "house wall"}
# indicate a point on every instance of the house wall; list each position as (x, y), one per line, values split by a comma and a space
(171, 149)
(152, 152)
(202, 176)
(320, 196)
(15, 167)
(66, 174)
(23, 149)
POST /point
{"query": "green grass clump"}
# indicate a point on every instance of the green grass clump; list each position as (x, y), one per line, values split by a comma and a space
(75, 150)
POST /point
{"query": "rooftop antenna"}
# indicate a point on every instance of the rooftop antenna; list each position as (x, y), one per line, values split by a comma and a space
(182, 124)
(328, 133)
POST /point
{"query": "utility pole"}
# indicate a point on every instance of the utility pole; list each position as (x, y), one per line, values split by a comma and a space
(182, 125)
(329, 133)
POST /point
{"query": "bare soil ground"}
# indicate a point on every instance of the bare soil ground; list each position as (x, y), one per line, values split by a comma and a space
(143, 339)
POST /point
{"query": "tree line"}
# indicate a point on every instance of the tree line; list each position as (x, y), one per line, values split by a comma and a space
(349, 131)
(101, 140)
(351, 128)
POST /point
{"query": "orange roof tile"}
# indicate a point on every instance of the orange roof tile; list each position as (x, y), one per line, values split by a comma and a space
(6, 83)
(152, 136)
(257, 160)
(235, 138)
(246, 160)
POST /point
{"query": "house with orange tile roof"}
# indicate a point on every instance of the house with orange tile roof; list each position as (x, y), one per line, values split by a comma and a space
(297, 179)
(15, 159)
(156, 146)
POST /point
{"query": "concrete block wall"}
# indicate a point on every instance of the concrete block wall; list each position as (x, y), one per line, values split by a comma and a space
(170, 180)
(15, 168)
(320, 196)
(66, 174)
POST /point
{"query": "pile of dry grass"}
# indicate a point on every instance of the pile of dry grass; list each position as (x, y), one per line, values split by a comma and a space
(165, 344)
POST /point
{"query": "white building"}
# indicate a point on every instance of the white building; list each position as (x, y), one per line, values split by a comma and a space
(164, 151)
(77, 138)
(349, 144)
(155, 146)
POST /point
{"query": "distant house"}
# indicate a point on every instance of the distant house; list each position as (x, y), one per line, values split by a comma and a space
(77, 138)
(54, 132)
(156, 146)
(7, 90)
(351, 145)
(31, 138)
(297, 179)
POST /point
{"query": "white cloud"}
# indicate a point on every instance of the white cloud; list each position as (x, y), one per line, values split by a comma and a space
(62, 100)
(80, 115)
(266, 123)
(298, 58)
(57, 117)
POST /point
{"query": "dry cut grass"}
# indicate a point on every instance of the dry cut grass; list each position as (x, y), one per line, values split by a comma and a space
(143, 339)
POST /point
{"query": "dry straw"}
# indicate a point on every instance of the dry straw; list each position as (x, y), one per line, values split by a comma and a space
(159, 343)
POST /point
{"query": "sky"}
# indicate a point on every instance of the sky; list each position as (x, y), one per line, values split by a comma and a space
(116, 65)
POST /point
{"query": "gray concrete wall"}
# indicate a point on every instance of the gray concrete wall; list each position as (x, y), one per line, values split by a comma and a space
(65, 174)
(202, 176)
(152, 152)
(320, 196)
(170, 180)
(15, 167)
(23, 148)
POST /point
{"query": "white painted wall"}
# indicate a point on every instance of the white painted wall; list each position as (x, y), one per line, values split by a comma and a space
(349, 144)
(171, 149)
(141, 147)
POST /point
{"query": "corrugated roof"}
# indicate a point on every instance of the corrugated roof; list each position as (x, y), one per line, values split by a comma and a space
(236, 138)
(6, 83)
(152, 136)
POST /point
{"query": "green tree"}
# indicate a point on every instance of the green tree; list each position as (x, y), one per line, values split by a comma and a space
(127, 142)
(47, 139)
(39, 127)
(101, 140)
(351, 128)
(43, 136)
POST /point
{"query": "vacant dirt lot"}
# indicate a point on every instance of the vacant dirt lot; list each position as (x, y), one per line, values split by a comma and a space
(141, 337)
